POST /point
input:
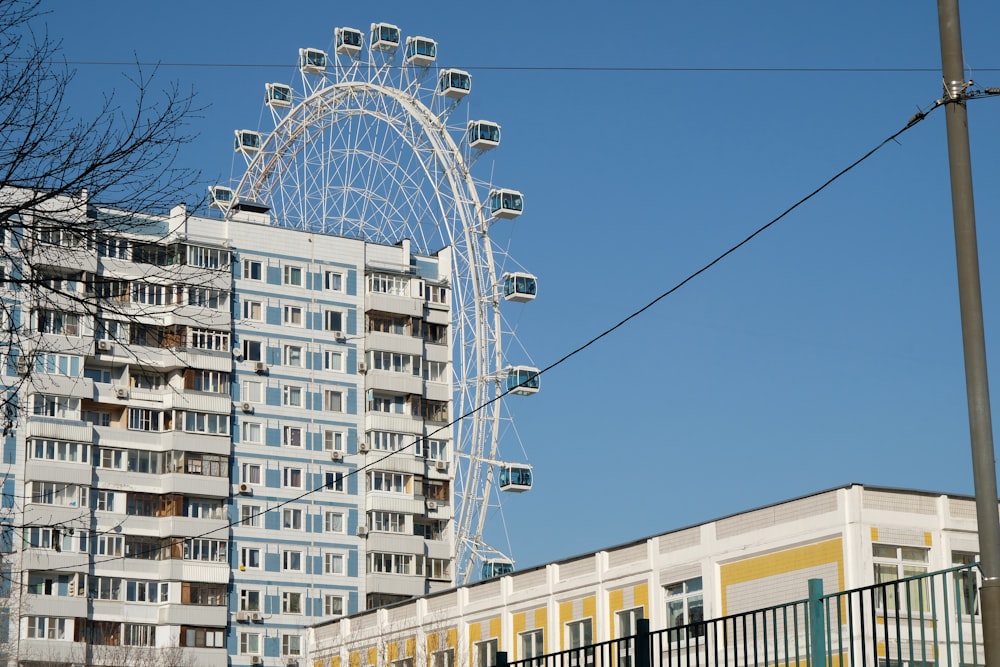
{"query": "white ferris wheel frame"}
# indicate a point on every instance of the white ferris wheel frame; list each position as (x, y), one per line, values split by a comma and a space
(463, 225)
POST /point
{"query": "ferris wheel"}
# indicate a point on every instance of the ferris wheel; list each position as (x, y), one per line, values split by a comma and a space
(365, 148)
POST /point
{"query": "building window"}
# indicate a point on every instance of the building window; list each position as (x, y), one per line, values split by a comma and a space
(333, 320)
(252, 270)
(291, 645)
(333, 360)
(250, 515)
(333, 522)
(388, 284)
(291, 561)
(333, 563)
(252, 432)
(395, 405)
(291, 602)
(252, 350)
(202, 637)
(291, 395)
(333, 441)
(249, 600)
(966, 582)
(580, 636)
(333, 401)
(394, 482)
(46, 627)
(251, 473)
(445, 658)
(685, 607)
(333, 281)
(250, 557)
(334, 481)
(292, 478)
(333, 605)
(293, 275)
(249, 643)
(485, 653)
(291, 436)
(626, 621)
(291, 518)
(388, 522)
(205, 550)
(206, 339)
(252, 391)
(532, 644)
(293, 316)
(293, 355)
(253, 310)
(387, 563)
(897, 562)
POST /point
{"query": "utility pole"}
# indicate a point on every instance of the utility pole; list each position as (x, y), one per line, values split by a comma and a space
(973, 336)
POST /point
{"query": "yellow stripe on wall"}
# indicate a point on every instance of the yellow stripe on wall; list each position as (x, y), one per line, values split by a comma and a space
(783, 562)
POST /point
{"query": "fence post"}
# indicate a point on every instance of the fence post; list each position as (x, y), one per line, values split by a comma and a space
(642, 642)
(817, 624)
(501, 659)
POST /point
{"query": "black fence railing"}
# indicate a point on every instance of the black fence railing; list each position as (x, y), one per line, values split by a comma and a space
(921, 621)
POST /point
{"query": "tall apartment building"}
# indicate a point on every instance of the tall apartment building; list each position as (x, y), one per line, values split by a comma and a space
(197, 413)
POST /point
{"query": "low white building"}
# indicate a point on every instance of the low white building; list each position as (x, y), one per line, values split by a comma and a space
(847, 537)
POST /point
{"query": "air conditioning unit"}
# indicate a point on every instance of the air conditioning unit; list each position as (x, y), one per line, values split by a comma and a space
(442, 466)
(340, 337)
(432, 504)
(362, 531)
(336, 455)
(242, 617)
(246, 406)
(260, 367)
(362, 367)
(291, 662)
(23, 367)
(105, 346)
(256, 660)
(246, 489)
(255, 616)
(363, 447)
(121, 392)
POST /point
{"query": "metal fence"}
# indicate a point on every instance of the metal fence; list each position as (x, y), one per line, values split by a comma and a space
(920, 621)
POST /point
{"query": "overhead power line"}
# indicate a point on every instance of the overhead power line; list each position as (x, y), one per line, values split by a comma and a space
(546, 68)
(913, 121)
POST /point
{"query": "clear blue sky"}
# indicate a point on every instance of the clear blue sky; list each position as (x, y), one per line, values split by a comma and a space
(825, 352)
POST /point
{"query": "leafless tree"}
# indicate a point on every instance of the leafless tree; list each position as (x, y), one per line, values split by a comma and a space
(67, 179)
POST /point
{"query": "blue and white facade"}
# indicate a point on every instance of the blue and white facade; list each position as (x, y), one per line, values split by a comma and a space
(197, 461)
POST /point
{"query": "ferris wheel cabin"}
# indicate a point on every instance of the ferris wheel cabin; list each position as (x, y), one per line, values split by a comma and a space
(248, 142)
(277, 95)
(496, 567)
(506, 204)
(420, 51)
(519, 287)
(454, 83)
(483, 135)
(348, 41)
(385, 36)
(312, 61)
(515, 478)
(523, 380)
(219, 197)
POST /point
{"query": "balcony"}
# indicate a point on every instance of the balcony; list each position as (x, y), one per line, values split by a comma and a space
(394, 382)
(60, 429)
(390, 303)
(193, 614)
(390, 342)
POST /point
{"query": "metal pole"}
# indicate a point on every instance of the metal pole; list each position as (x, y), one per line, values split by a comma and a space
(973, 337)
